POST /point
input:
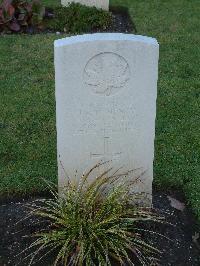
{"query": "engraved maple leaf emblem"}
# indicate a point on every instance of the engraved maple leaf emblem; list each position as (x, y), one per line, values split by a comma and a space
(106, 73)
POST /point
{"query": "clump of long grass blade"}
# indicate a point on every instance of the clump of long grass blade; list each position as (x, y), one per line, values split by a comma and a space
(94, 222)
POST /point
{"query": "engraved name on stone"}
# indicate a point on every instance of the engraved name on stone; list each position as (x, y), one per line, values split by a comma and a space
(116, 120)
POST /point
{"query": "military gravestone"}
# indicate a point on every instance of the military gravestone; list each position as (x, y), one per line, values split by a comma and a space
(106, 88)
(104, 4)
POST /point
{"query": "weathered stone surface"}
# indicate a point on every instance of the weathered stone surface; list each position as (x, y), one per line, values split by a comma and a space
(106, 88)
(104, 4)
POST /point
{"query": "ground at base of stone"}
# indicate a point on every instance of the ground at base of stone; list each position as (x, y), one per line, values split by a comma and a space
(182, 250)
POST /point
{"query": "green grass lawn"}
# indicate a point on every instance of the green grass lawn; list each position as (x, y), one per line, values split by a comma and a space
(27, 104)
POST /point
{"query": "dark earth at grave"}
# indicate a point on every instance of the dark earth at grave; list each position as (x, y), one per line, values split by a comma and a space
(181, 250)
(121, 22)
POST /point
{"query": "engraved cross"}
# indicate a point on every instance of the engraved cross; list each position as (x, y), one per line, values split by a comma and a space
(106, 150)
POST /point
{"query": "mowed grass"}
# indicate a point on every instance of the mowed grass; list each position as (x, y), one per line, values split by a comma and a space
(27, 111)
(27, 102)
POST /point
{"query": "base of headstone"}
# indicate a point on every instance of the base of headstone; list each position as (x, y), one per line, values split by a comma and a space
(103, 4)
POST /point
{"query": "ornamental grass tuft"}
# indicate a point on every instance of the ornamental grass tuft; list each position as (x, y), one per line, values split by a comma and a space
(94, 222)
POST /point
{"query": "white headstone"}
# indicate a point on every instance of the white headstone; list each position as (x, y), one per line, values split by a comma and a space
(106, 88)
(104, 4)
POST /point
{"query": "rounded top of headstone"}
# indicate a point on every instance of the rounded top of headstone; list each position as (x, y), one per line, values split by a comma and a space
(105, 37)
